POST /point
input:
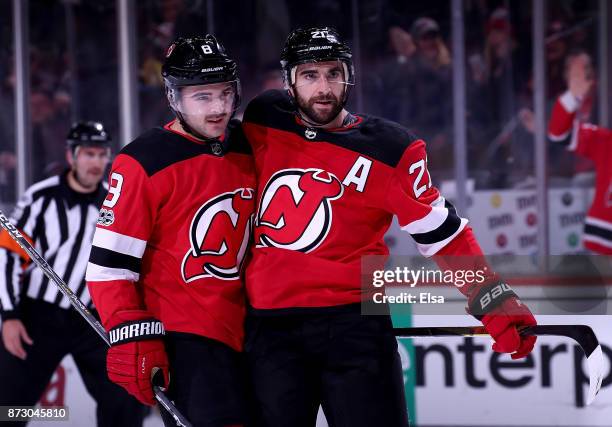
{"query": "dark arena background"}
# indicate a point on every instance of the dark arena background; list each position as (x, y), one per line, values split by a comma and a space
(476, 79)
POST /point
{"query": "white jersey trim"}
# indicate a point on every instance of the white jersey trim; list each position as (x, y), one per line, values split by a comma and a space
(569, 102)
(598, 223)
(98, 273)
(558, 138)
(432, 249)
(434, 219)
(596, 239)
(120, 243)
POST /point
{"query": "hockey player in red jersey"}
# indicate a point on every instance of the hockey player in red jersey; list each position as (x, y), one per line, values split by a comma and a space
(165, 266)
(568, 128)
(329, 184)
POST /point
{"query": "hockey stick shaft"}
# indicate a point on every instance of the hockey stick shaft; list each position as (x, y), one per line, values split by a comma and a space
(80, 307)
(46, 268)
(580, 333)
(470, 331)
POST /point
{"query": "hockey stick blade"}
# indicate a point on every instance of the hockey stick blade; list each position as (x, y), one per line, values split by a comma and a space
(582, 334)
(80, 307)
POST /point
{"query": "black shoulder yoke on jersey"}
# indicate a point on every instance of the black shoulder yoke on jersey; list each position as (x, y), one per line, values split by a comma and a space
(378, 138)
(158, 148)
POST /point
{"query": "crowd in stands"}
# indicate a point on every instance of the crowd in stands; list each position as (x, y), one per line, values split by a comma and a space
(404, 54)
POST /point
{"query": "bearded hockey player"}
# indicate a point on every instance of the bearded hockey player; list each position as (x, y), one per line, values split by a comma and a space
(329, 184)
(567, 127)
(165, 266)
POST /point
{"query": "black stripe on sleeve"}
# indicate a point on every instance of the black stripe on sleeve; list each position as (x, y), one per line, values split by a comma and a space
(112, 259)
(565, 142)
(9, 288)
(21, 222)
(594, 230)
(62, 219)
(449, 227)
(26, 214)
(40, 233)
(74, 251)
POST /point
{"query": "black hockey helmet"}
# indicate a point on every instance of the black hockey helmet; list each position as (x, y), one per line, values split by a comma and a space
(197, 61)
(87, 133)
(316, 44)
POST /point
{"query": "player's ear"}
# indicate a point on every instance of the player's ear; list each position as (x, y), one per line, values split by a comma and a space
(69, 157)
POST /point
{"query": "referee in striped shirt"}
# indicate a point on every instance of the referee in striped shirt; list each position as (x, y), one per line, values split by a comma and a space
(39, 326)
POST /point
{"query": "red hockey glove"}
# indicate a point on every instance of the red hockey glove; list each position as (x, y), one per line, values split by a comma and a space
(136, 351)
(503, 314)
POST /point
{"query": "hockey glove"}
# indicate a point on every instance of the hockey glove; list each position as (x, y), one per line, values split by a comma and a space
(503, 315)
(137, 353)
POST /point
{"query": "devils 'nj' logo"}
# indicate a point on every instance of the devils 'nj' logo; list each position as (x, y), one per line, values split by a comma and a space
(295, 209)
(219, 236)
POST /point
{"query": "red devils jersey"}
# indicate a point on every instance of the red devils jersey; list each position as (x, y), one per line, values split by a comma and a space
(327, 197)
(173, 232)
(595, 143)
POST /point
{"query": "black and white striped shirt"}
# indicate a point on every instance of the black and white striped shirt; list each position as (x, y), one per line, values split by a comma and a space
(60, 223)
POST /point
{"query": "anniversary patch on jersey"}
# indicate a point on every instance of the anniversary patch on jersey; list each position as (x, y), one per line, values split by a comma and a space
(106, 217)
